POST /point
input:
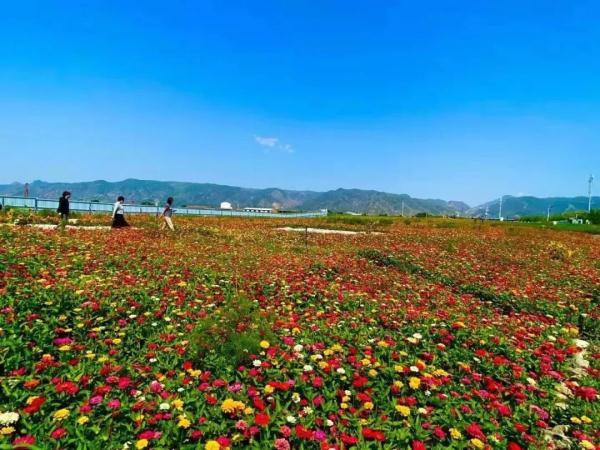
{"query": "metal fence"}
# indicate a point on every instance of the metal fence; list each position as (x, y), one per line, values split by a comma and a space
(96, 207)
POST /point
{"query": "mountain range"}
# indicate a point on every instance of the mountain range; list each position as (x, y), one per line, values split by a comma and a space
(342, 200)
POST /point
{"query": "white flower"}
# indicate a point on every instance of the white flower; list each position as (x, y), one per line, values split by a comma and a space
(298, 348)
(7, 418)
(329, 422)
(414, 369)
(307, 410)
(308, 368)
(153, 360)
(418, 336)
(581, 344)
(256, 363)
(291, 419)
(348, 393)
(164, 406)
(341, 370)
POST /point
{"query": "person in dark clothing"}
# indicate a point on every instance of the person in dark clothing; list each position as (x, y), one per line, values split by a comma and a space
(167, 214)
(64, 208)
(118, 215)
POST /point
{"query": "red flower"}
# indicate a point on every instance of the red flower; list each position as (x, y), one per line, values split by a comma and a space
(513, 446)
(34, 406)
(474, 430)
(26, 440)
(261, 419)
(303, 433)
(349, 440)
(59, 433)
(418, 445)
(373, 435)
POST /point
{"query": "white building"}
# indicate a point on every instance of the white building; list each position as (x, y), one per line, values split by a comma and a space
(258, 209)
(226, 205)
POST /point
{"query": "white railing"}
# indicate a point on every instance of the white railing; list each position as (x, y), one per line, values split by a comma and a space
(98, 207)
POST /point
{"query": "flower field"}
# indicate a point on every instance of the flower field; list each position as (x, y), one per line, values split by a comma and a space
(232, 334)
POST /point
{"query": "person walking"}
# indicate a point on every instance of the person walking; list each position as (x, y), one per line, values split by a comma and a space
(64, 208)
(167, 215)
(118, 215)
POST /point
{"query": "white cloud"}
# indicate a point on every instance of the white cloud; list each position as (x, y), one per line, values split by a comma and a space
(273, 143)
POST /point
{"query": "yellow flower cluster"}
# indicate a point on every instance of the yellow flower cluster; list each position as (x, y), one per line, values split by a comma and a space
(183, 422)
(404, 410)
(212, 445)
(230, 406)
(414, 382)
(61, 414)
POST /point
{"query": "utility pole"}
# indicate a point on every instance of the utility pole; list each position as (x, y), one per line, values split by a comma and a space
(548, 215)
(402, 208)
(590, 181)
(486, 211)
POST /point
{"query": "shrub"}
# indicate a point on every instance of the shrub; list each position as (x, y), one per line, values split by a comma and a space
(233, 332)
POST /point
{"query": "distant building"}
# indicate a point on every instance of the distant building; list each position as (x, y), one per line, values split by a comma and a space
(226, 205)
(256, 209)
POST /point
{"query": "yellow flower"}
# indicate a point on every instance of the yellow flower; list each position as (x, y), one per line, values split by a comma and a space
(83, 420)
(587, 445)
(398, 384)
(404, 410)
(372, 373)
(344, 405)
(414, 382)
(212, 445)
(183, 422)
(576, 420)
(586, 419)
(7, 430)
(264, 344)
(455, 433)
(142, 443)
(368, 405)
(383, 344)
(116, 341)
(177, 404)
(269, 389)
(230, 406)
(477, 443)
(64, 348)
(61, 414)
(399, 368)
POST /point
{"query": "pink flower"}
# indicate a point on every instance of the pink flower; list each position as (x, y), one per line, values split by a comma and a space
(241, 425)
(282, 444)
(114, 404)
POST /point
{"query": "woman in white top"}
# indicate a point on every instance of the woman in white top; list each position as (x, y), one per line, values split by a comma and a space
(118, 215)
(167, 215)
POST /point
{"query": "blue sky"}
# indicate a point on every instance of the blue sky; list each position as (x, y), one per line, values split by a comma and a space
(439, 99)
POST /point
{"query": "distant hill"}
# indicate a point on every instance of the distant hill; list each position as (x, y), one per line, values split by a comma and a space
(211, 195)
(514, 207)
(341, 200)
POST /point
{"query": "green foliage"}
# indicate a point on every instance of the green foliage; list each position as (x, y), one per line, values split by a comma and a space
(232, 333)
(594, 216)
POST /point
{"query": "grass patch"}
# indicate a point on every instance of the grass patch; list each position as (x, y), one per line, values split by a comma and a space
(232, 333)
